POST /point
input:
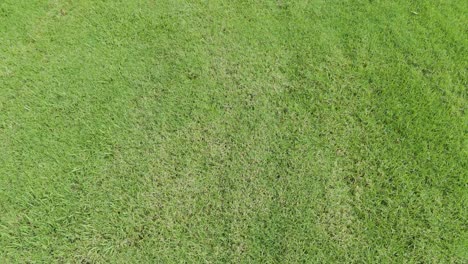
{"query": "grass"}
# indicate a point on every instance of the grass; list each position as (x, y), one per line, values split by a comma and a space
(281, 131)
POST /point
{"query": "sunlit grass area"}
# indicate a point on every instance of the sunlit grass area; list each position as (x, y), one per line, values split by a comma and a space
(153, 131)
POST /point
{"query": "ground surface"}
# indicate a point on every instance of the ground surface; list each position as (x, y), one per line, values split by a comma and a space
(233, 131)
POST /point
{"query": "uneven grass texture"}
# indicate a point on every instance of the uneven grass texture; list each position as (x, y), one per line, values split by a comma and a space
(153, 131)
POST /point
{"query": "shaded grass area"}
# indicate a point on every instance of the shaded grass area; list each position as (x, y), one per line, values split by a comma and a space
(233, 131)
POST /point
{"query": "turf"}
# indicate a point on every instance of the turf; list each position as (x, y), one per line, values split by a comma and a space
(149, 131)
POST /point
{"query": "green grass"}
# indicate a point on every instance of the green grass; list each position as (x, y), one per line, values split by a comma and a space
(146, 131)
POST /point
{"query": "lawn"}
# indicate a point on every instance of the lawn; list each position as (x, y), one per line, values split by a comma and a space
(228, 131)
